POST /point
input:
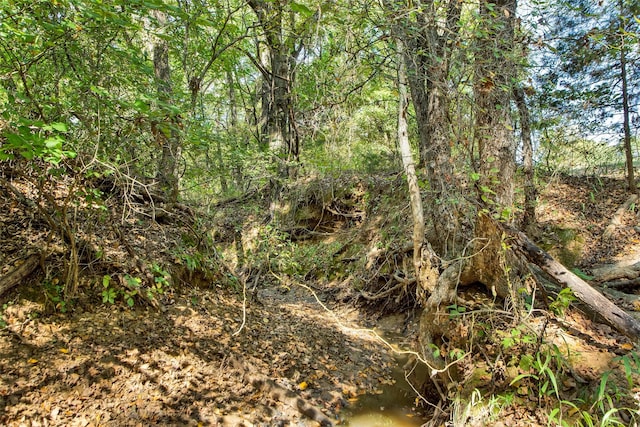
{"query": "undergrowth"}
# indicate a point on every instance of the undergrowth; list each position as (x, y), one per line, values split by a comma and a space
(525, 369)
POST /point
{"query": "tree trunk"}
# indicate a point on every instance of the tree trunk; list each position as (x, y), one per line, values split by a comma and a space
(278, 131)
(530, 194)
(631, 183)
(426, 275)
(495, 69)
(166, 132)
(428, 61)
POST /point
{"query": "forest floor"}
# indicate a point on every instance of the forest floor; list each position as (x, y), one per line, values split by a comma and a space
(268, 351)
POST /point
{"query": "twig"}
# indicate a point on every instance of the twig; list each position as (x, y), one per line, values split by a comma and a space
(244, 307)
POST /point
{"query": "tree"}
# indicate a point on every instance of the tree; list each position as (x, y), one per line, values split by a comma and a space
(166, 130)
(495, 71)
(284, 25)
(592, 81)
(430, 41)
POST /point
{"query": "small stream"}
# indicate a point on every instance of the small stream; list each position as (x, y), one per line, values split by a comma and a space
(395, 406)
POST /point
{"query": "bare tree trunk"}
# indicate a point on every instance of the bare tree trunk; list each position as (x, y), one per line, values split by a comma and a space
(426, 275)
(166, 132)
(530, 194)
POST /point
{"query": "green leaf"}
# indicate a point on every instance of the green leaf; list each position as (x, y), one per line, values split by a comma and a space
(581, 274)
(60, 127)
(300, 8)
(53, 142)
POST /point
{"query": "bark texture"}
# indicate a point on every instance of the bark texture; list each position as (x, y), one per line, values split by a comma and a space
(495, 70)
(19, 274)
(166, 132)
(611, 313)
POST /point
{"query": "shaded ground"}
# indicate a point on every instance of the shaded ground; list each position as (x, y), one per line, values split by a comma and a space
(124, 367)
(191, 360)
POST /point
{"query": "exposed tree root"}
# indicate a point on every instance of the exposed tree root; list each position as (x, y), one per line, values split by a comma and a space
(502, 258)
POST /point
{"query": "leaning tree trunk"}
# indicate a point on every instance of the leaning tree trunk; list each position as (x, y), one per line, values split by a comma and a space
(425, 273)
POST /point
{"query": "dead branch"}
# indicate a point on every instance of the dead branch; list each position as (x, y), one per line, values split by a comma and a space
(384, 294)
(615, 294)
(356, 214)
(18, 274)
(21, 197)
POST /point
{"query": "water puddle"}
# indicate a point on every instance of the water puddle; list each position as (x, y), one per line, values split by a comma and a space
(395, 405)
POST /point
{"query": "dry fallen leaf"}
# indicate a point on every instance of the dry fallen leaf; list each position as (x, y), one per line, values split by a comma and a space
(32, 361)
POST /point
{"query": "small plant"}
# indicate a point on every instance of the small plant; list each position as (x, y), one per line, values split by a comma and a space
(581, 274)
(54, 292)
(562, 302)
(109, 294)
(456, 310)
(3, 323)
(160, 281)
(133, 284)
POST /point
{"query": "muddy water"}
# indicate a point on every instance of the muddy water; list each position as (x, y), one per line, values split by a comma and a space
(395, 406)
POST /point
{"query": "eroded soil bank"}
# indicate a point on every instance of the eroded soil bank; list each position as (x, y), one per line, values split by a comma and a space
(207, 356)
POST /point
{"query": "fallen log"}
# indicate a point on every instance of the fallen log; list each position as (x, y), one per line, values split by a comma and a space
(19, 273)
(611, 313)
(627, 298)
(619, 284)
(616, 221)
(609, 273)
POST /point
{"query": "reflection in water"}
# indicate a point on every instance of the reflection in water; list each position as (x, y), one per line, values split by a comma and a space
(379, 419)
(394, 407)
